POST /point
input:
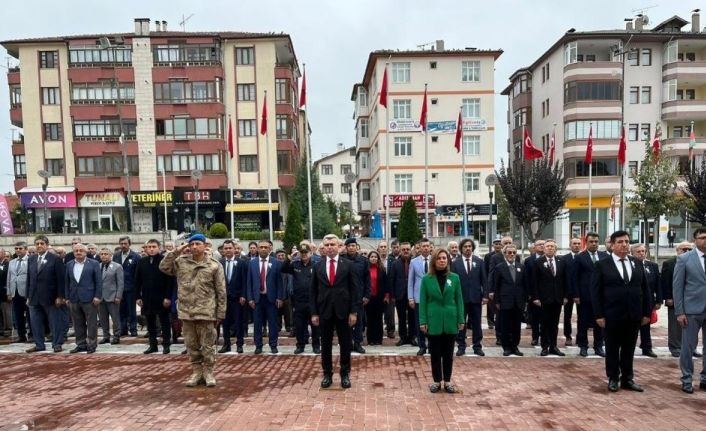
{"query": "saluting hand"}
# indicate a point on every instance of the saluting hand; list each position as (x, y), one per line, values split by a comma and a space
(315, 320)
(600, 322)
(352, 319)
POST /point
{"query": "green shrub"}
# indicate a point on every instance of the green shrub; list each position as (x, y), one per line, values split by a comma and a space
(218, 230)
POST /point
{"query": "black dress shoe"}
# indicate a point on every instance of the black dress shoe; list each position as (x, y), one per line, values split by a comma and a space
(258, 350)
(675, 354)
(165, 350)
(57, 349)
(77, 349)
(557, 352)
(91, 350)
(687, 387)
(414, 343)
(104, 340)
(568, 342)
(613, 385)
(650, 353)
(460, 352)
(34, 349)
(274, 350)
(507, 352)
(224, 349)
(478, 351)
(535, 341)
(545, 352)
(498, 343)
(345, 382)
(702, 386)
(600, 352)
(317, 350)
(358, 348)
(239, 349)
(517, 352)
(631, 386)
(421, 351)
(326, 382)
(150, 349)
(583, 352)
(115, 340)
(298, 350)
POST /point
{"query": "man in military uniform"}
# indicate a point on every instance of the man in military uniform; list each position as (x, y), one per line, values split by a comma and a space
(202, 304)
(302, 272)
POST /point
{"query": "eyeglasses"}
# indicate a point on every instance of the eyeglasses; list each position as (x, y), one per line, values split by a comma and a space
(510, 252)
(685, 249)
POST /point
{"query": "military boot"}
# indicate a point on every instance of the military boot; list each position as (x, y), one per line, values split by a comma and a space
(209, 377)
(196, 376)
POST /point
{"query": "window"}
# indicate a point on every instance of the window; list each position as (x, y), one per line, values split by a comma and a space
(362, 97)
(248, 163)
(186, 162)
(20, 166)
(600, 167)
(55, 167)
(591, 90)
(326, 169)
(85, 130)
(471, 145)
(106, 166)
(247, 127)
(244, 56)
(50, 96)
(645, 131)
(403, 183)
(646, 57)
(282, 92)
(632, 168)
(632, 132)
(634, 57)
(15, 96)
(93, 55)
(520, 118)
(545, 72)
(364, 160)
(472, 183)
(602, 129)
(686, 94)
(52, 131)
(522, 85)
(686, 56)
(182, 91)
(364, 127)
(345, 169)
(48, 59)
(101, 92)
(634, 95)
(570, 53)
(400, 73)
(646, 95)
(670, 52)
(183, 53)
(189, 128)
(470, 71)
(284, 162)
(345, 188)
(365, 191)
(283, 129)
(327, 188)
(403, 146)
(471, 108)
(402, 109)
(246, 92)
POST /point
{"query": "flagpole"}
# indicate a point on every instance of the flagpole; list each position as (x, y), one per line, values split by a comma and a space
(229, 179)
(622, 183)
(590, 178)
(388, 200)
(426, 169)
(463, 185)
(307, 142)
(267, 168)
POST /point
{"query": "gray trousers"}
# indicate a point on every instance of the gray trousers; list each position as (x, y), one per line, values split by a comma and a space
(673, 331)
(109, 310)
(85, 317)
(689, 339)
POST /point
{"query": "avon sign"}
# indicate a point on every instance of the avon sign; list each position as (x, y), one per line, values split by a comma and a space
(54, 200)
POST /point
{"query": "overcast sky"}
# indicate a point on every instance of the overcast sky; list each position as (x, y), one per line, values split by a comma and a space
(335, 37)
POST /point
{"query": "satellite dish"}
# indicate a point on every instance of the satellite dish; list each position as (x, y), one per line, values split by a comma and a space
(645, 19)
(350, 177)
(44, 174)
(197, 174)
(491, 180)
(104, 42)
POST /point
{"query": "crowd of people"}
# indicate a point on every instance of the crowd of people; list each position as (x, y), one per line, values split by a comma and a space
(420, 294)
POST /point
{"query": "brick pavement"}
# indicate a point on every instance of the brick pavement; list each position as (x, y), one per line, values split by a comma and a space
(125, 392)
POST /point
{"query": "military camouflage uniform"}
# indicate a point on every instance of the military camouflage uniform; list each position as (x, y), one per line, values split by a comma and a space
(201, 302)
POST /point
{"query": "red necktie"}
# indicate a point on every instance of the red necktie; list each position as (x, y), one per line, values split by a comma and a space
(263, 275)
(332, 272)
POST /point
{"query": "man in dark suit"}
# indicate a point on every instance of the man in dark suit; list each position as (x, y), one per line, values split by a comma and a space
(334, 302)
(582, 271)
(361, 268)
(471, 273)
(45, 296)
(639, 252)
(398, 277)
(17, 289)
(236, 271)
(490, 307)
(621, 303)
(154, 289)
(534, 312)
(387, 259)
(128, 259)
(265, 294)
(495, 259)
(569, 259)
(302, 271)
(509, 291)
(550, 291)
(83, 293)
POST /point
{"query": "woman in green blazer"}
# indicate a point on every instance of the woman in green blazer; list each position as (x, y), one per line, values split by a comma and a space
(441, 317)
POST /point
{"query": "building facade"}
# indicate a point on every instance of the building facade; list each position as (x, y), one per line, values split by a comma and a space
(337, 174)
(649, 80)
(457, 80)
(116, 122)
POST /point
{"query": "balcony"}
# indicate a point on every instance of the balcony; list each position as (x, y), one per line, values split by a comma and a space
(16, 117)
(107, 110)
(286, 180)
(684, 110)
(591, 109)
(13, 76)
(18, 147)
(186, 55)
(596, 69)
(680, 146)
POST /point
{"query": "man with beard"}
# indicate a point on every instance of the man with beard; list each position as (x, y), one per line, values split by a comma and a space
(153, 289)
(584, 266)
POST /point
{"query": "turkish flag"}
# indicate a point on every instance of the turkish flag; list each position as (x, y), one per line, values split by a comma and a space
(622, 148)
(459, 133)
(530, 152)
(302, 98)
(383, 89)
(263, 122)
(656, 145)
(589, 147)
(230, 138)
(423, 118)
(552, 146)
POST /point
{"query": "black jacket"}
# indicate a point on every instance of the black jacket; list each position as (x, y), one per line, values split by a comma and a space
(152, 286)
(473, 284)
(397, 279)
(666, 278)
(550, 288)
(509, 294)
(613, 299)
(582, 271)
(361, 268)
(339, 300)
(235, 289)
(301, 280)
(46, 284)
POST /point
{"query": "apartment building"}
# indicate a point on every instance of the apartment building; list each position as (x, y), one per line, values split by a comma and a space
(118, 123)
(337, 175)
(646, 79)
(457, 80)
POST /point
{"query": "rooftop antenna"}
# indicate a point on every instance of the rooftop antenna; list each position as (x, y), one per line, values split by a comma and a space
(184, 20)
(424, 45)
(641, 10)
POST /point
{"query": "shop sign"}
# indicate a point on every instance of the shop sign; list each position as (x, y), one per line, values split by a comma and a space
(106, 199)
(252, 195)
(398, 200)
(151, 199)
(54, 199)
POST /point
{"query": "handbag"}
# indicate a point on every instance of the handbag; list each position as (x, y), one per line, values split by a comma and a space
(653, 318)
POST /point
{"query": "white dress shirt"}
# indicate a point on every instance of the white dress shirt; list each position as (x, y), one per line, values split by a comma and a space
(619, 265)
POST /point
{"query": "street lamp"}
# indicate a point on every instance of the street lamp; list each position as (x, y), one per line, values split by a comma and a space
(44, 174)
(197, 175)
(490, 181)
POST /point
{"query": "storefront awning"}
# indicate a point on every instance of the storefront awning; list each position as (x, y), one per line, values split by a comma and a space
(251, 207)
(596, 202)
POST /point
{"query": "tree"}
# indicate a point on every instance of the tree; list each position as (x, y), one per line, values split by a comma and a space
(323, 221)
(695, 190)
(535, 193)
(408, 227)
(293, 233)
(655, 189)
(218, 230)
(503, 220)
